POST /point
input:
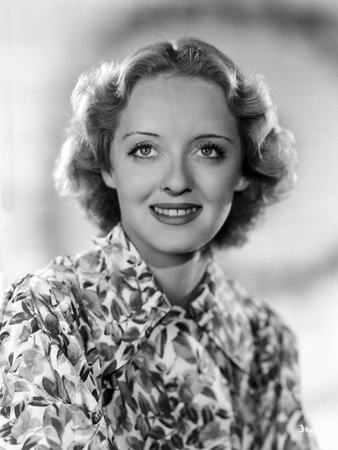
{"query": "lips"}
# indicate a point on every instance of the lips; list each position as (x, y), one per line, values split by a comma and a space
(175, 213)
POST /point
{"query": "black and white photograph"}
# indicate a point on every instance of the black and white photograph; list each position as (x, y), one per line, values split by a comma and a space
(169, 225)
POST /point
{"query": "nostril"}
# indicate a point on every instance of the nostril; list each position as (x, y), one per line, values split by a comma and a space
(176, 178)
(176, 192)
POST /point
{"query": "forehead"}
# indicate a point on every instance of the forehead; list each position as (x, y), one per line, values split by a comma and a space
(179, 101)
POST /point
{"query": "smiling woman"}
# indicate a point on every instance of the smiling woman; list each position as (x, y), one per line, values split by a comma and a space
(142, 343)
(180, 182)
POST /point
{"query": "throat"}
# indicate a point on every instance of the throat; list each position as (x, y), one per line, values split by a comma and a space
(180, 282)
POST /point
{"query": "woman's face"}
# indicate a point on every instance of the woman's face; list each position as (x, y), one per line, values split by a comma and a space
(176, 159)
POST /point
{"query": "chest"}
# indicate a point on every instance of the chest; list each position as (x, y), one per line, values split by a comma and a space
(178, 391)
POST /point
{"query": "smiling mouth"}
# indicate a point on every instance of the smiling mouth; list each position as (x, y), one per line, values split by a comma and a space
(173, 212)
(179, 214)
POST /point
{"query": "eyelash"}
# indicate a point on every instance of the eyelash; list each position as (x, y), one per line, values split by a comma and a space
(221, 153)
(140, 146)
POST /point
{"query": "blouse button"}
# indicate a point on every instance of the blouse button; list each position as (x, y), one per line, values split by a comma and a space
(64, 305)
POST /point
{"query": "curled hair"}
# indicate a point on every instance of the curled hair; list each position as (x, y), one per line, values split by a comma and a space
(102, 93)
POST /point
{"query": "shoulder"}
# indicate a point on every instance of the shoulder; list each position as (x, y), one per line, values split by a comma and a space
(267, 324)
(262, 325)
(51, 289)
(44, 308)
(275, 344)
(270, 350)
(33, 300)
(61, 274)
(260, 314)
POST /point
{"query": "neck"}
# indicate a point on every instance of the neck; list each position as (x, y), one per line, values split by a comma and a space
(180, 275)
(177, 274)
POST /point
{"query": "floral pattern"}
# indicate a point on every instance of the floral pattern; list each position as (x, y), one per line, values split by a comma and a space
(93, 356)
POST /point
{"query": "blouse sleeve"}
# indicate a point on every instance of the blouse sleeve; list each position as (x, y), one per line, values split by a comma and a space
(48, 395)
(286, 429)
(291, 420)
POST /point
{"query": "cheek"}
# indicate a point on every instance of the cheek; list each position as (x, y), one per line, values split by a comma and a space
(219, 189)
(131, 187)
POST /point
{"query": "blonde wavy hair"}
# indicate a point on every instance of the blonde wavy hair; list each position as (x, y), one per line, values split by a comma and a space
(103, 92)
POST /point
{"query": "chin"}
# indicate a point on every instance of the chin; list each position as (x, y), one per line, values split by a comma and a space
(183, 246)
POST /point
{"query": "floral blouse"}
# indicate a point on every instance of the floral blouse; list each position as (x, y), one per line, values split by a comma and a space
(93, 356)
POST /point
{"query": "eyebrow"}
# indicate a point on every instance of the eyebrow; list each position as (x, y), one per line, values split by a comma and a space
(218, 136)
(144, 133)
(200, 136)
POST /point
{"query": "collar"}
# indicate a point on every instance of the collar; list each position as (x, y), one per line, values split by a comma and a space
(131, 306)
(139, 305)
(219, 310)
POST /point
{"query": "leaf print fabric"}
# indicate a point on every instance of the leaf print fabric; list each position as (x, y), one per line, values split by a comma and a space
(93, 356)
(49, 400)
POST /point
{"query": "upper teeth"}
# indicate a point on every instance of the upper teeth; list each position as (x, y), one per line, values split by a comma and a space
(174, 212)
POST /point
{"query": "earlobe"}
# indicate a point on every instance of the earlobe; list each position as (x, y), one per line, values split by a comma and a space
(242, 184)
(109, 178)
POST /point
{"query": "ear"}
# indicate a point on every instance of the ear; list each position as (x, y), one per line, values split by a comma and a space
(109, 178)
(242, 184)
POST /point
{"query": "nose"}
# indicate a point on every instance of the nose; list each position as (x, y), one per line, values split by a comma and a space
(177, 178)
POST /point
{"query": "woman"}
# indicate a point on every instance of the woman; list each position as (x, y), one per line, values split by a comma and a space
(141, 342)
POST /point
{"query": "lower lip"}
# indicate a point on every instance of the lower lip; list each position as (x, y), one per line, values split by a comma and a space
(176, 220)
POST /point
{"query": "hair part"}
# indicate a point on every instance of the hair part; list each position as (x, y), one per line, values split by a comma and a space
(102, 93)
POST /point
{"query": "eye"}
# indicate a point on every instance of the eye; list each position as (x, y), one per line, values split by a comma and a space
(210, 150)
(143, 150)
